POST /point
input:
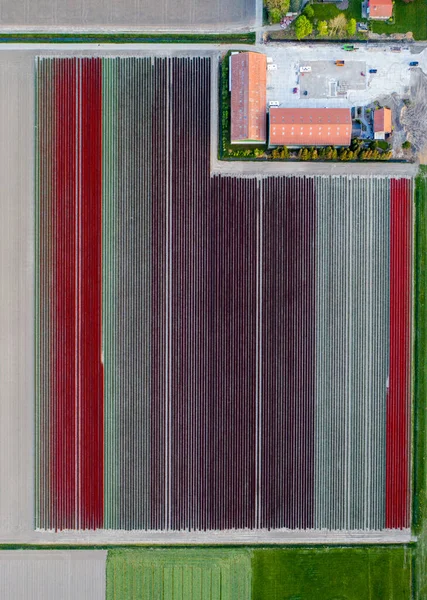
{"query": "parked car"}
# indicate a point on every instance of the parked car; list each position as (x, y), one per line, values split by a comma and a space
(413, 64)
(372, 70)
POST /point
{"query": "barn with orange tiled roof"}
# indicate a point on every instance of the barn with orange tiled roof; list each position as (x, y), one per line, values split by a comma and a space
(248, 98)
(310, 127)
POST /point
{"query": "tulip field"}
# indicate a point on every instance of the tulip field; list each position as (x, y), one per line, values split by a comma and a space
(212, 352)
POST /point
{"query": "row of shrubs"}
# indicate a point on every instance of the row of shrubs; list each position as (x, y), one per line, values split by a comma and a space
(307, 154)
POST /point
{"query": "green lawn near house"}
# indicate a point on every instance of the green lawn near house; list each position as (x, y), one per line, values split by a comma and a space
(326, 11)
(325, 573)
(407, 17)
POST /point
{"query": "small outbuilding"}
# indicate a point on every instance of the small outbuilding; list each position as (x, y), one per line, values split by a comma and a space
(382, 123)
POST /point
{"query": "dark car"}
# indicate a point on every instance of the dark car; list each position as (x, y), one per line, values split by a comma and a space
(372, 70)
(413, 64)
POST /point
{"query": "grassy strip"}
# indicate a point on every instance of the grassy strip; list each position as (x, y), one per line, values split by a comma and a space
(419, 511)
(334, 572)
(128, 38)
(420, 353)
(407, 17)
(208, 546)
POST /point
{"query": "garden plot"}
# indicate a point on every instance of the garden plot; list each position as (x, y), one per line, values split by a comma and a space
(179, 574)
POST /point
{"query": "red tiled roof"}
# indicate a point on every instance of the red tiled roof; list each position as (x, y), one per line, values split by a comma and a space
(310, 127)
(380, 9)
(382, 120)
(248, 97)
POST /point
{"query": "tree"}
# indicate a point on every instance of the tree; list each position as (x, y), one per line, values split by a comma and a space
(355, 143)
(285, 152)
(275, 15)
(305, 155)
(303, 27)
(281, 5)
(406, 145)
(314, 154)
(322, 28)
(338, 25)
(308, 11)
(351, 27)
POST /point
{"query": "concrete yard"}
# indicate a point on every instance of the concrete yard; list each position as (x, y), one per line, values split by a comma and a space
(128, 15)
(325, 80)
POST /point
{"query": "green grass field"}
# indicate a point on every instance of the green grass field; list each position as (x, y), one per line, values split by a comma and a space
(179, 574)
(407, 17)
(326, 11)
(420, 385)
(381, 572)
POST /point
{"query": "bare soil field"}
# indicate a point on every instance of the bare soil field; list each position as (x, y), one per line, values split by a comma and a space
(50, 575)
(16, 293)
(128, 15)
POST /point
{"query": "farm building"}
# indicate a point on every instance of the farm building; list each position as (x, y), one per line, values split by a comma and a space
(310, 127)
(380, 9)
(248, 97)
(382, 123)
